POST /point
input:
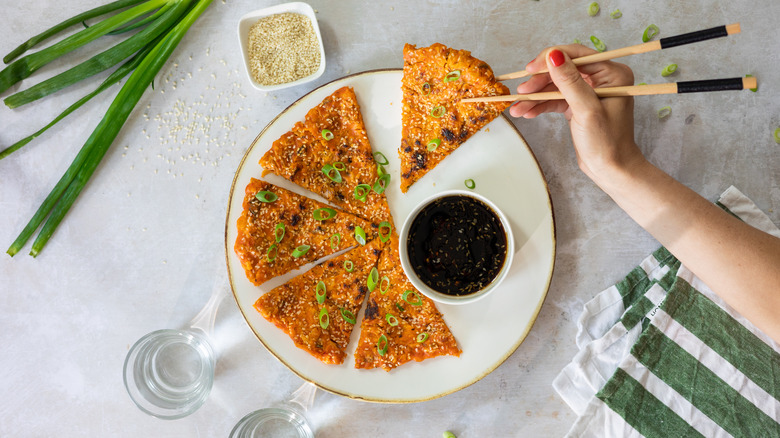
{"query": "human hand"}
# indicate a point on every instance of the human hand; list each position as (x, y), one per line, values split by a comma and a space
(602, 129)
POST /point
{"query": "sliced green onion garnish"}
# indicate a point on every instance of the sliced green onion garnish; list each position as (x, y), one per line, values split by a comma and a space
(470, 184)
(361, 192)
(417, 301)
(338, 165)
(323, 213)
(264, 196)
(320, 291)
(593, 9)
(642, 83)
(270, 255)
(664, 112)
(392, 320)
(385, 225)
(422, 337)
(324, 318)
(577, 41)
(348, 265)
(380, 158)
(598, 44)
(751, 89)
(335, 241)
(373, 279)
(448, 434)
(348, 316)
(381, 183)
(384, 285)
(426, 88)
(301, 250)
(332, 173)
(380, 170)
(327, 135)
(616, 14)
(650, 32)
(438, 111)
(399, 307)
(360, 235)
(452, 76)
(669, 69)
(279, 232)
(381, 345)
(777, 135)
(433, 144)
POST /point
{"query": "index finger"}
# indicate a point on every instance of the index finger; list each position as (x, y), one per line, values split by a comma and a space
(573, 50)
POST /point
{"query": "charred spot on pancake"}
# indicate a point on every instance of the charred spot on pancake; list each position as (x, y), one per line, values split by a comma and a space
(372, 310)
(447, 134)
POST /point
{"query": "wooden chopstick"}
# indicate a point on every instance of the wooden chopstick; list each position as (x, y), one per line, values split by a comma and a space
(663, 43)
(634, 90)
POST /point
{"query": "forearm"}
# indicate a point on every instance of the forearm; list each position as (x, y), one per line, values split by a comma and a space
(738, 262)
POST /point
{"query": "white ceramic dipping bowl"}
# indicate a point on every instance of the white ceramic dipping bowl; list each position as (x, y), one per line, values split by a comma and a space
(424, 288)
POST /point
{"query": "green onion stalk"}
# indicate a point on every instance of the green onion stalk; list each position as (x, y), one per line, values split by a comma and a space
(163, 24)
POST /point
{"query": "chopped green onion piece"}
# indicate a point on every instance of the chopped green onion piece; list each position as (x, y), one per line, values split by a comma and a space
(383, 225)
(264, 196)
(452, 76)
(323, 213)
(577, 41)
(650, 32)
(399, 307)
(384, 285)
(360, 235)
(348, 265)
(392, 320)
(470, 184)
(616, 14)
(751, 89)
(381, 183)
(593, 9)
(426, 88)
(422, 337)
(380, 170)
(332, 173)
(669, 69)
(373, 279)
(438, 111)
(327, 135)
(642, 83)
(301, 250)
(418, 299)
(272, 249)
(433, 144)
(324, 318)
(279, 232)
(448, 434)
(361, 192)
(381, 345)
(320, 291)
(598, 44)
(348, 316)
(777, 135)
(378, 155)
(338, 165)
(335, 241)
(664, 112)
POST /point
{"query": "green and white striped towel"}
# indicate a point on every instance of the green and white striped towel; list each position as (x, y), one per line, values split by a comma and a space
(662, 356)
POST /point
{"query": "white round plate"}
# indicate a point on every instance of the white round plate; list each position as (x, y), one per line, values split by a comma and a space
(488, 331)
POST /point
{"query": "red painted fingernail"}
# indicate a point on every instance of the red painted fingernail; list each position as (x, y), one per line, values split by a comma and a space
(557, 58)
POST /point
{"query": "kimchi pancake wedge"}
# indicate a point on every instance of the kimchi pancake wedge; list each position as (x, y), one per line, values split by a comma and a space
(434, 122)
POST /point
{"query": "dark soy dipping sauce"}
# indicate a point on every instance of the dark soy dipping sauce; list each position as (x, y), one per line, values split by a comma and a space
(457, 245)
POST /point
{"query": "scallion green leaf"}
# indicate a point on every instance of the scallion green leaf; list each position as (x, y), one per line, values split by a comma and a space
(598, 44)
(593, 9)
(668, 70)
(381, 345)
(391, 319)
(266, 196)
(416, 300)
(373, 279)
(448, 434)
(279, 232)
(381, 159)
(426, 89)
(327, 134)
(399, 307)
(470, 184)
(616, 14)
(777, 135)
(338, 165)
(433, 144)
(384, 285)
(438, 111)
(301, 250)
(384, 237)
(332, 173)
(452, 76)
(381, 183)
(347, 315)
(320, 292)
(335, 241)
(360, 235)
(324, 318)
(361, 192)
(664, 112)
(324, 213)
(270, 255)
(422, 337)
(650, 32)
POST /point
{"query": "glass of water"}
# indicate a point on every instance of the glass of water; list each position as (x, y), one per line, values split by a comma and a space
(284, 420)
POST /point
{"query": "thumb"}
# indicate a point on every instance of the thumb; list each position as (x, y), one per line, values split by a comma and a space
(578, 94)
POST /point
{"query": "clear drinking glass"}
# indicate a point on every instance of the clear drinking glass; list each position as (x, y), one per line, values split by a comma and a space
(284, 420)
(169, 373)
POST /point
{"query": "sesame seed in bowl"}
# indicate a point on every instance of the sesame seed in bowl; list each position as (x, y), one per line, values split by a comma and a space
(281, 46)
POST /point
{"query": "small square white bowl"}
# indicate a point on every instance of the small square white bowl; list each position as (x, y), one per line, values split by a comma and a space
(248, 20)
